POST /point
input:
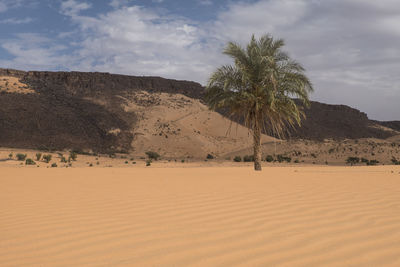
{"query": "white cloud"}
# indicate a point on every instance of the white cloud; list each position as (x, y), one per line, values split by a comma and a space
(73, 7)
(35, 52)
(349, 47)
(16, 21)
(3, 7)
(205, 2)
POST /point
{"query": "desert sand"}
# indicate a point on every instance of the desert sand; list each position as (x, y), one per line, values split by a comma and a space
(200, 216)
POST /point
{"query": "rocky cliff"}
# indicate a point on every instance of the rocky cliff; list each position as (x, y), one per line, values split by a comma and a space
(88, 111)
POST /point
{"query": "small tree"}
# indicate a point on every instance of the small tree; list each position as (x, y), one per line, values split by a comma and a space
(30, 162)
(153, 155)
(21, 157)
(47, 158)
(237, 159)
(352, 160)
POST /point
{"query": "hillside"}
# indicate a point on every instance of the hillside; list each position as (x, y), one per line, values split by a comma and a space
(103, 112)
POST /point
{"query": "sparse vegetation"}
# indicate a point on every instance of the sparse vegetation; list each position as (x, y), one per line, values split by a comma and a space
(269, 158)
(237, 159)
(47, 158)
(153, 155)
(248, 158)
(352, 160)
(373, 162)
(30, 162)
(73, 155)
(21, 157)
(281, 158)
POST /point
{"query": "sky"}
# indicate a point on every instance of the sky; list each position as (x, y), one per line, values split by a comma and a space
(349, 48)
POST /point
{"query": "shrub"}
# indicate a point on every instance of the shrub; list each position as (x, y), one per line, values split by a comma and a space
(54, 165)
(10, 156)
(91, 165)
(126, 162)
(237, 159)
(395, 161)
(296, 161)
(282, 158)
(248, 158)
(352, 160)
(364, 160)
(269, 158)
(47, 158)
(183, 161)
(313, 155)
(63, 159)
(30, 162)
(73, 155)
(21, 157)
(209, 156)
(38, 156)
(153, 155)
(373, 162)
(148, 162)
(134, 162)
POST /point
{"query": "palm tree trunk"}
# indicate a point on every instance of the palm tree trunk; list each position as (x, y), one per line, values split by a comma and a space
(257, 147)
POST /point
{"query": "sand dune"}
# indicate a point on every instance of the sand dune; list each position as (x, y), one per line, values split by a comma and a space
(219, 216)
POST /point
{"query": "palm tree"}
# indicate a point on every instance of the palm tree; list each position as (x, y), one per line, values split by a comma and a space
(259, 89)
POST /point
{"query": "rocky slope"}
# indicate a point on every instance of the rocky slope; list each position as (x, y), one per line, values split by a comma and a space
(104, 112)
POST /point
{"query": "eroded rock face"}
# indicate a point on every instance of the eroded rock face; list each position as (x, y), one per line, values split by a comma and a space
(83, 110)
(76, 109)
(337, 122)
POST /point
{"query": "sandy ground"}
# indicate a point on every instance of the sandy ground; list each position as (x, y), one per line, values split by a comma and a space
(216, 216)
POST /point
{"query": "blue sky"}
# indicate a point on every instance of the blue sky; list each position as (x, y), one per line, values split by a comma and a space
(350, 48)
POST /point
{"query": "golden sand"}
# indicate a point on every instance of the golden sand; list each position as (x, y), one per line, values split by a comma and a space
(215, 216)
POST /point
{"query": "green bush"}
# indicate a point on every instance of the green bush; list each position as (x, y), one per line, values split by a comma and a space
(10, 156)
(73, 155)
(269, 158)
(153, 155)
(38, 156)
(281, 158)
(30, 162)
(209, 156)
(352, 160)
(373, 162)
(47, 158)
(54, 165)
(395, 161)
(237, 159)
(248, 158)
(21, 157)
